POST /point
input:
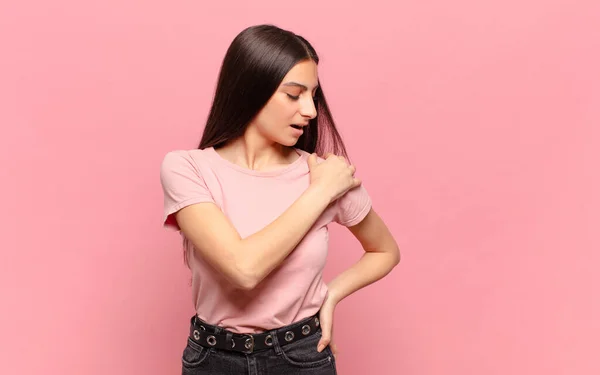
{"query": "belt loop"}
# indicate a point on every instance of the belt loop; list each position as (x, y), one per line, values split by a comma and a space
(276, 345)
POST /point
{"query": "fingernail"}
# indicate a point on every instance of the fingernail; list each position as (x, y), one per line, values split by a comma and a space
(320, 348)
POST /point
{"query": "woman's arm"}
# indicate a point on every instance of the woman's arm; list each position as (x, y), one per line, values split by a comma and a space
(246, 262)
(381, 256)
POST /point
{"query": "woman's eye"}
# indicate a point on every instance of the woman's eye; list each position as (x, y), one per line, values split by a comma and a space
(293, 97)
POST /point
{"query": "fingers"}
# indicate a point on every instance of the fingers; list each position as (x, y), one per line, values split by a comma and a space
(325, 335)
(330, 155)
(323, 342)
(312, 160)
(335, 158)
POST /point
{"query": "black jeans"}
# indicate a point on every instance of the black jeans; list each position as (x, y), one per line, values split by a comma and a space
(299, 357)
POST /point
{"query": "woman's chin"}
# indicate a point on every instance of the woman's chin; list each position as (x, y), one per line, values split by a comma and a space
(287, 141)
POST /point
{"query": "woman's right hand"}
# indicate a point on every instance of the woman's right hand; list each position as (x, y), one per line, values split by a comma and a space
(333, 176)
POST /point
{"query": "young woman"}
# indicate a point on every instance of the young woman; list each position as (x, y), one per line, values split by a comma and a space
(253, 202)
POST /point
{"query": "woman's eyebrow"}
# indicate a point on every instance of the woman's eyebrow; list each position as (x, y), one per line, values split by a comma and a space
(296, 84)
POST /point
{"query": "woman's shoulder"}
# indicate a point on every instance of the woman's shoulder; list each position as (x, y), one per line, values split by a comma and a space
(185, 159)
(181, 155)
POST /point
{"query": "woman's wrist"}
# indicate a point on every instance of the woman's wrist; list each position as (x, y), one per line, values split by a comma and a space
(333, 296)
(319, 194)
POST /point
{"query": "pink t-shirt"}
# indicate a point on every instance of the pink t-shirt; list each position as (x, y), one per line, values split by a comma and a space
(251, 200)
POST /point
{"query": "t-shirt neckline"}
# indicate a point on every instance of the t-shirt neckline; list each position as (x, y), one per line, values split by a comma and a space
(270, 173)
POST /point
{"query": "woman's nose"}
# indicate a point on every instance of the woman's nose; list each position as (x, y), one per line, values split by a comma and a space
(308, 108)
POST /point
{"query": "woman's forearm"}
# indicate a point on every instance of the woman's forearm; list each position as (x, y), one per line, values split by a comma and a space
(263, 251)
(372, 266)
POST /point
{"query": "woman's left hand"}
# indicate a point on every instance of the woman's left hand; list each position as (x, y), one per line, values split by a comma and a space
(326, 322)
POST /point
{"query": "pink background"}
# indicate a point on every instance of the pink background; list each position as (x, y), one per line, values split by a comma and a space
(474, 124)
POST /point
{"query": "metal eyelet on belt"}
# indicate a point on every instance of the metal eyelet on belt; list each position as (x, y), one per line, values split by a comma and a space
(211, 340)
(269, 340)
(289, 336)
(203, 328)
(196, 334)
(305, 329)
(249, 344)
(232, 343)
(317, 321)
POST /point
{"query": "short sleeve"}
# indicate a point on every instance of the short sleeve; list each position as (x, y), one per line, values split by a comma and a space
(182, 185)
(353, 206)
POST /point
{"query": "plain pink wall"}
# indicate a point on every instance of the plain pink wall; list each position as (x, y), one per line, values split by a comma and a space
(475, 126)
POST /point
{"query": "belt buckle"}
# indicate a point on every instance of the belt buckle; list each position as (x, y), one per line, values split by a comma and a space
(249, 344)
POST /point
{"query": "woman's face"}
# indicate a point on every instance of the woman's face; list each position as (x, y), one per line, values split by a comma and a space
(291, 107)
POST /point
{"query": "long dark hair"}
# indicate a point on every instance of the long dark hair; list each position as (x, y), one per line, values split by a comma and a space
(254, 66)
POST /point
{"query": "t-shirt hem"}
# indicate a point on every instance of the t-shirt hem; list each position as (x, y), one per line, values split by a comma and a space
(181, 205)
(359, 217)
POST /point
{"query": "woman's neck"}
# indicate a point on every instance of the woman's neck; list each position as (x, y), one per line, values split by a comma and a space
(257, 154)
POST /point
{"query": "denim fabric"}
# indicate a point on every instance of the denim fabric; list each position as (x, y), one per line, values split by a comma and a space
(297, 358)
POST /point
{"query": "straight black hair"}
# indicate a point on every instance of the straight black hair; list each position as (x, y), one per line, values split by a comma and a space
(255, 64)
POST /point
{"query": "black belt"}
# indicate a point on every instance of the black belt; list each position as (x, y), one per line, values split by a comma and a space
(205, 335)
